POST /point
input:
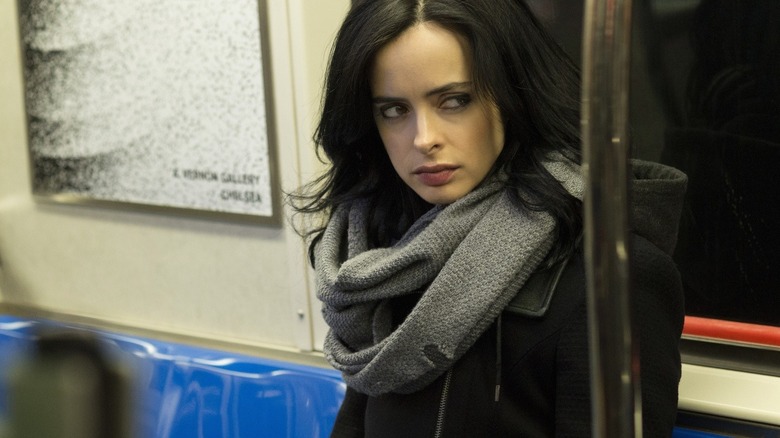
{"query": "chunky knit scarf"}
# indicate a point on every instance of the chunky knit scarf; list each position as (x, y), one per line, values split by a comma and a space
(468, 259)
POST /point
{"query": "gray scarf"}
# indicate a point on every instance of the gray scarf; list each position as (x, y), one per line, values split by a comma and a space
(469, 258)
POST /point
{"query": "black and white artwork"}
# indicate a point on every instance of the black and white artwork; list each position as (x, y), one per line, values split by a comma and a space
(160, 103)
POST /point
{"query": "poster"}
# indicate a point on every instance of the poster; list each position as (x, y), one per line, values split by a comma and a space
(155, 103)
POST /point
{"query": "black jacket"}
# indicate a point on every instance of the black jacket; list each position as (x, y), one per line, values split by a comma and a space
(543, 366)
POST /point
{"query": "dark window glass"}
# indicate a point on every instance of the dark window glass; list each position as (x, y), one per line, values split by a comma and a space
(705, 98)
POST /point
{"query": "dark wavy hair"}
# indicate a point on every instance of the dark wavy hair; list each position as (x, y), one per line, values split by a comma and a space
(514, 62)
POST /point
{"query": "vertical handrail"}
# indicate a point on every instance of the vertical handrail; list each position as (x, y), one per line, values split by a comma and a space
(615, 395)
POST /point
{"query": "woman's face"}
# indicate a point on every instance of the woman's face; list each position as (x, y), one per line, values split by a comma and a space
(440, 136)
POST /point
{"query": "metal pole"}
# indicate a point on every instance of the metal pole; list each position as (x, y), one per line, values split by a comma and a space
(616, 401)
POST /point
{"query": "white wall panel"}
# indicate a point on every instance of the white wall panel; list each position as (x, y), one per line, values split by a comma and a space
(201, 277)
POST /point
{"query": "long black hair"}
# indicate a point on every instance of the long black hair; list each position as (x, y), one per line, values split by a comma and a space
(515, 63)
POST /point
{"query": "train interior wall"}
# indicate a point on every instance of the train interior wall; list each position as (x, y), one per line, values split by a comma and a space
(208, 278)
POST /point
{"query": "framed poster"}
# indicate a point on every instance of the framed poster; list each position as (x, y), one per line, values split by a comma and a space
(160, 104)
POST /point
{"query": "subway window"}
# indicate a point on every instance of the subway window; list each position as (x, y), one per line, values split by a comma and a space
(705, 98)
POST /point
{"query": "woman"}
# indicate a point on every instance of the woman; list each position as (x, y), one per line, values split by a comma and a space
(449, 267)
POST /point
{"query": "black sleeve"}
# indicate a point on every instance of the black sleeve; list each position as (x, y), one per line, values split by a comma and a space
(350, 419)
(657, 301)
(658, 314)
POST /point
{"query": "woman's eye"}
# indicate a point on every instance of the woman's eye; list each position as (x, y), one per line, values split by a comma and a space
(392, 111)
(456, 102)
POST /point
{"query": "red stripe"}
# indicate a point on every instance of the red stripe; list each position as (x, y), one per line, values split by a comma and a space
(732, 331)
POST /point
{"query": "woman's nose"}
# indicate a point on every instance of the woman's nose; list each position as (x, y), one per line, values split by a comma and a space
(427, 137)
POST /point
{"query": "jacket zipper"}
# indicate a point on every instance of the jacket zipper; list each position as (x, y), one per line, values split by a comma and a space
(443, 404)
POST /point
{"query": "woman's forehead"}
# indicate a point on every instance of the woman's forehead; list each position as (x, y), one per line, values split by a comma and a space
(423, 58)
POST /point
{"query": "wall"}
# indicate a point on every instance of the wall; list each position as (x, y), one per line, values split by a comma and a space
(207, 278)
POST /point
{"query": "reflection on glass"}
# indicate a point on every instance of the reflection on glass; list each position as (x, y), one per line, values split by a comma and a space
(729, 144)
(705, 98)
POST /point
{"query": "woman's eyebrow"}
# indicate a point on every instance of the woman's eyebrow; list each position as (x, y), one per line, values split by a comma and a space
(448, 87)
(438, 90)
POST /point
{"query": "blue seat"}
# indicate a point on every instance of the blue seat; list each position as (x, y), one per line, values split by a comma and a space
(185, 391)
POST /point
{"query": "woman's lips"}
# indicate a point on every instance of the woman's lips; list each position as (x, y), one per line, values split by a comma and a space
(436, 175)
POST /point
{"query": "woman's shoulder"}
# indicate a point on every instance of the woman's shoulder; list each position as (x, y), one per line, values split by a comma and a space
(656, 300)
(656, 284)
(648, 257)
(566, 280)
